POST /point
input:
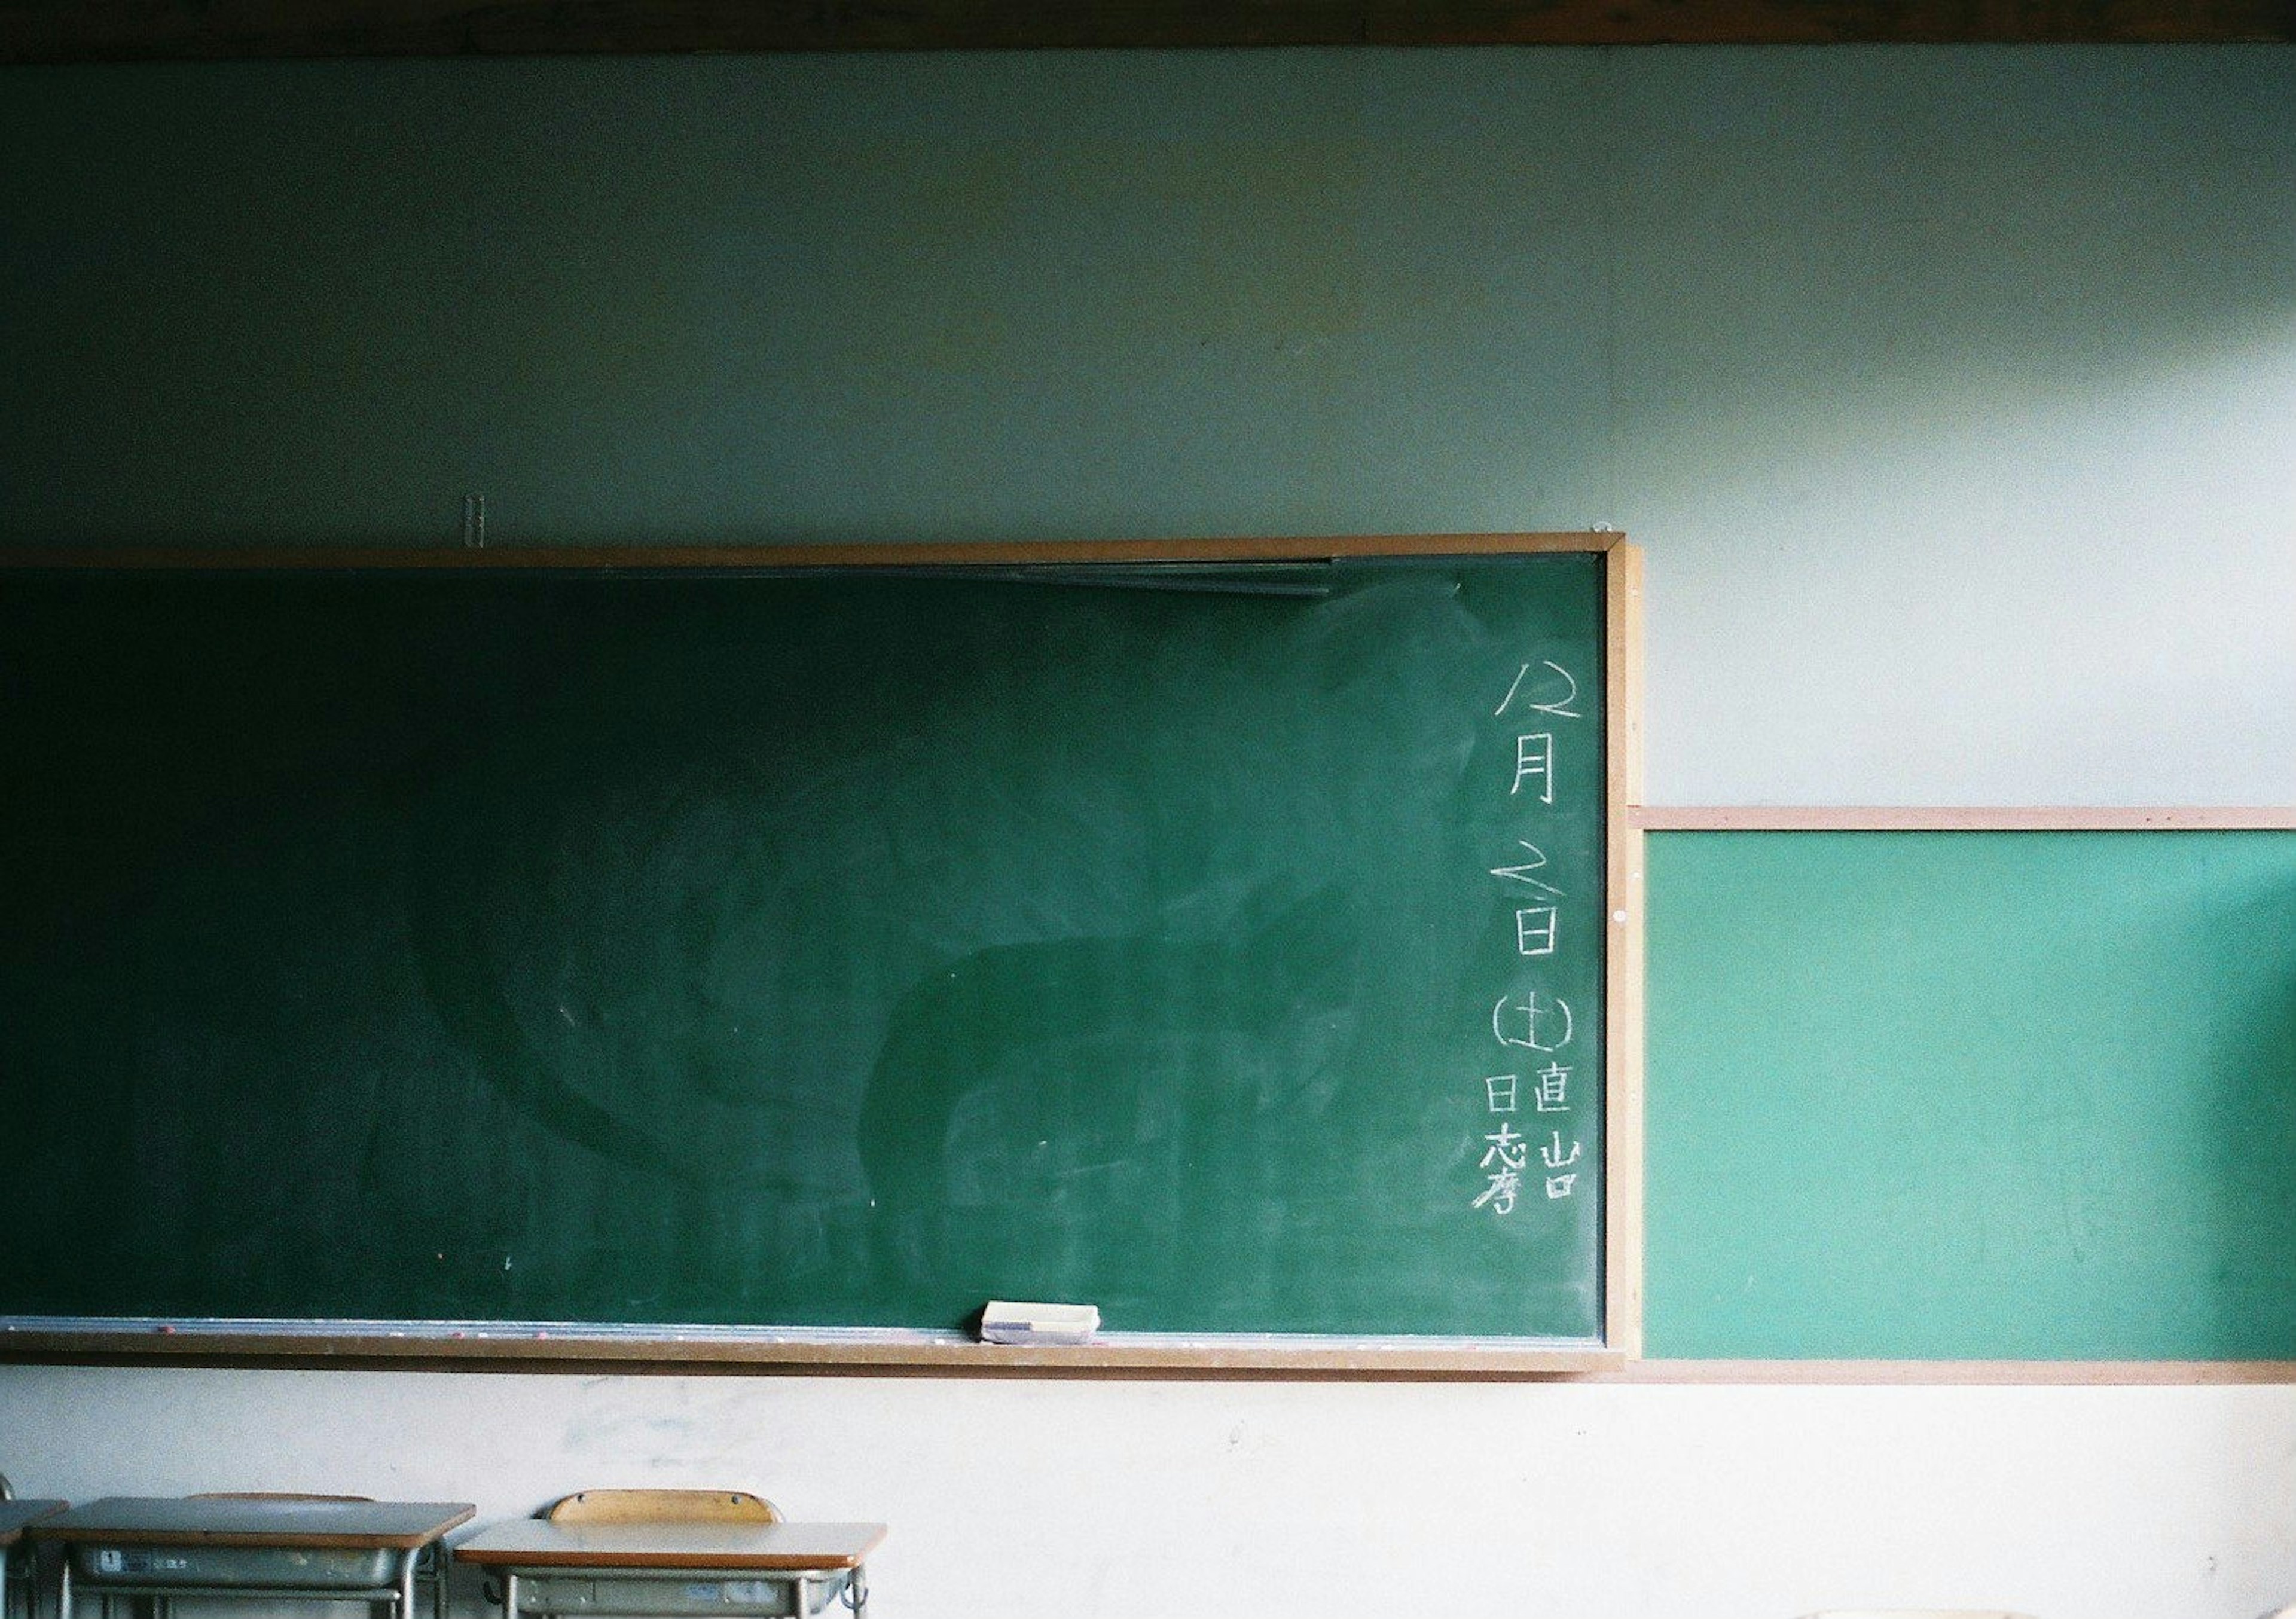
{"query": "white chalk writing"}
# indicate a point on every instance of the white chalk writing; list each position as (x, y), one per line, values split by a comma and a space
(1546, 1023)
(1531, 1017)
(1560, 707)
(1505, 1185)
(1534, 762)
(1522, 873)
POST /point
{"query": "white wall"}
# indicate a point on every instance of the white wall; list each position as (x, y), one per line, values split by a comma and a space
(1951, 392)
(1954, 395)
(1092, 1500)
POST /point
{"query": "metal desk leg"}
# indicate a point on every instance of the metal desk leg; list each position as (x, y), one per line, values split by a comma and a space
(63, 1586)
(510, 1593)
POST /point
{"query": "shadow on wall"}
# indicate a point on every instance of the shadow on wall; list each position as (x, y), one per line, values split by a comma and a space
(878, 298)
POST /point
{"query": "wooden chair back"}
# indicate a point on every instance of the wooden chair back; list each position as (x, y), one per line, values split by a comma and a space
(663, 1507)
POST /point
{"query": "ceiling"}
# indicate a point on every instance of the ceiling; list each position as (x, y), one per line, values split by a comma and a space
(129, 30)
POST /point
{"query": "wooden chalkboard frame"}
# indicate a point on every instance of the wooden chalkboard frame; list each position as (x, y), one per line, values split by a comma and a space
(544, 1346)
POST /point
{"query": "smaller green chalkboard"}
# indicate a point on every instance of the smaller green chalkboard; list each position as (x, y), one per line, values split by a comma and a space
(1973, 1095)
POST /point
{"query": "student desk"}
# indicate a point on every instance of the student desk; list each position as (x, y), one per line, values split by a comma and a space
(14, 1518)
(277, 1548)
(675, 1571)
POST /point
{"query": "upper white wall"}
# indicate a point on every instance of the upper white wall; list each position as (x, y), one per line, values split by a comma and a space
(1950, 390)
(1956, 393)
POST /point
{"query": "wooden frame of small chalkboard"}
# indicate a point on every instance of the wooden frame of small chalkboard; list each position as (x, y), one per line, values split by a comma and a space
(109, 1338)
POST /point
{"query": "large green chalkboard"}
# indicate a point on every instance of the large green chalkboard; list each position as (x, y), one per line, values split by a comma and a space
(835, 950)
(1972, 1094)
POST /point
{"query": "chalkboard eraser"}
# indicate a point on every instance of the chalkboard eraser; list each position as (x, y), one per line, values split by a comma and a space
(1002, 1322)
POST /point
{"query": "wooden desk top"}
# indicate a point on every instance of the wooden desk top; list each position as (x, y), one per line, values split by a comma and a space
(14, 1516)
(539, 1543)
(169, 1520)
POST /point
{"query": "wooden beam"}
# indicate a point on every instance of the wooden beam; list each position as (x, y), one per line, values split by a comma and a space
(1966, 817)
(825, 1350)
(591, 559)
(126, 31)
(1951, 1374)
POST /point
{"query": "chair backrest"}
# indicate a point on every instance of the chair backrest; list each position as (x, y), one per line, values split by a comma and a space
(664, 1507)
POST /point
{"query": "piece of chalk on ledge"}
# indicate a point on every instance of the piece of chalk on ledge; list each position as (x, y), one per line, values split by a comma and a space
(1002, 1322)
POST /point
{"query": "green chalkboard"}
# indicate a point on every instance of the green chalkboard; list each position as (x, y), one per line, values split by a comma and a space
(1972, 1095)
(836, 949)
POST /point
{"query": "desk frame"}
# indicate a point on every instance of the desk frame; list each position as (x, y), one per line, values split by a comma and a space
(408, 1553)
(15, 1517)
(712, 1554)
(856, 1583)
